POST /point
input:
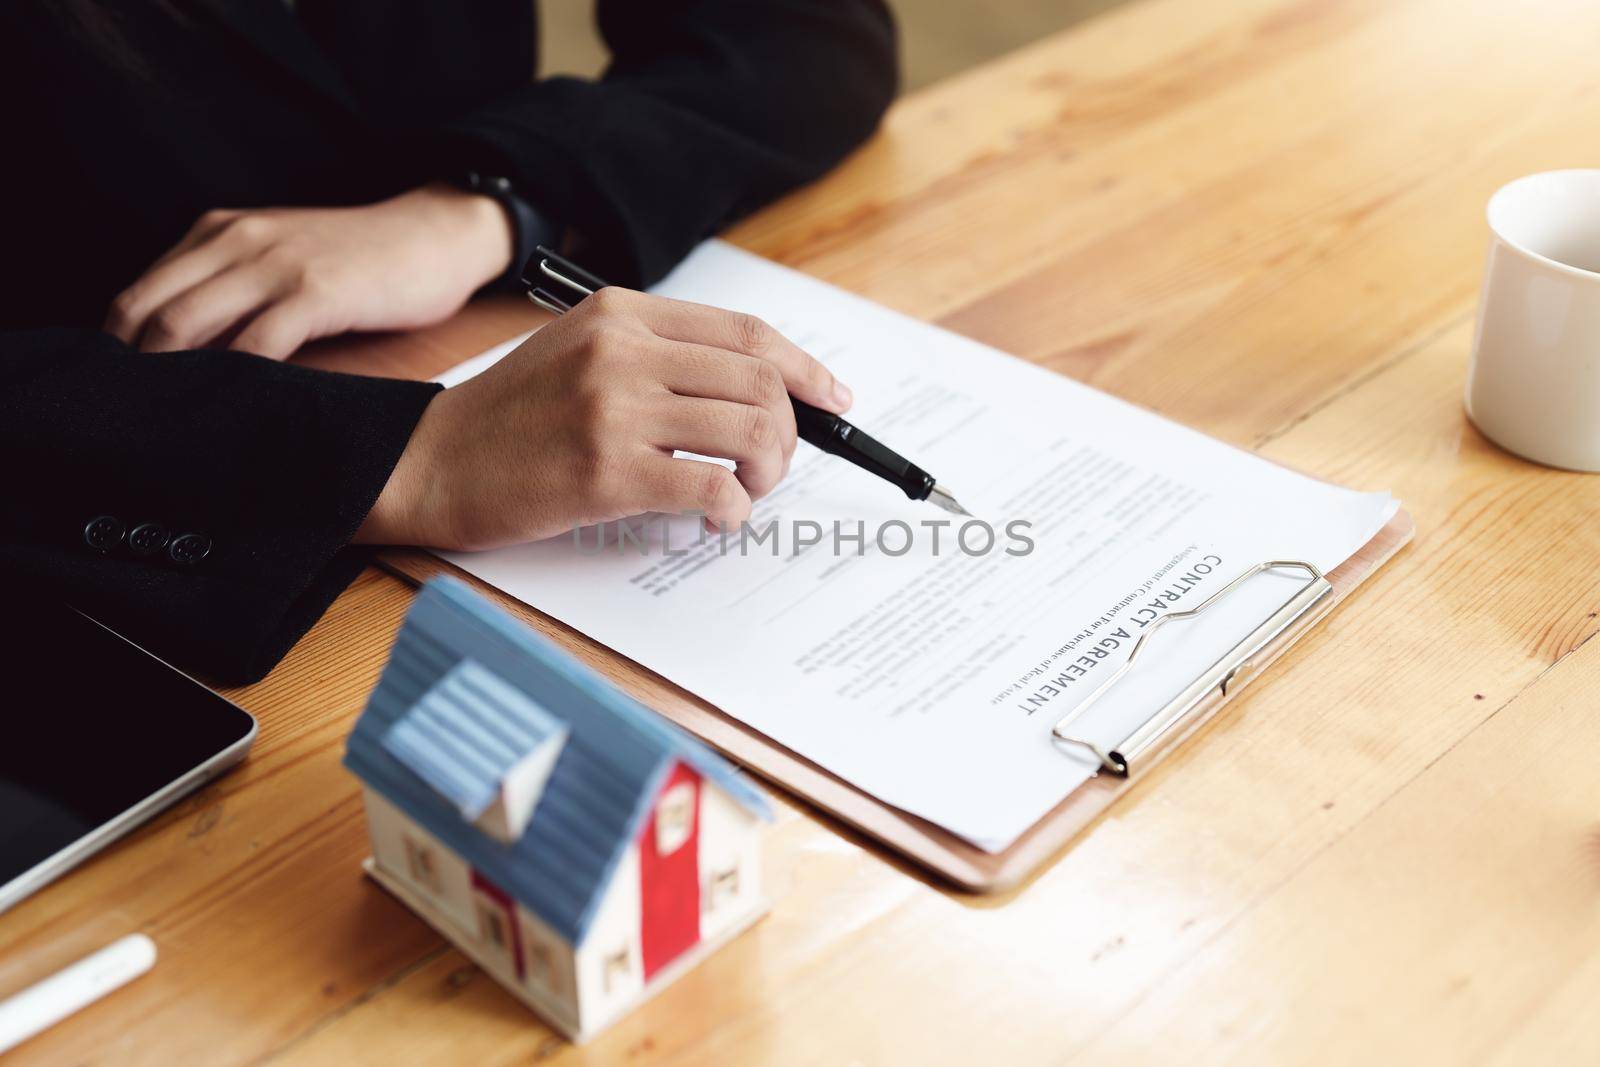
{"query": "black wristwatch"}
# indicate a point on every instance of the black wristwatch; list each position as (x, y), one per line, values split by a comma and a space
(529, 228)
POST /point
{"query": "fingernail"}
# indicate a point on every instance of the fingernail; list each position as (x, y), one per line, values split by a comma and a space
(842, 395)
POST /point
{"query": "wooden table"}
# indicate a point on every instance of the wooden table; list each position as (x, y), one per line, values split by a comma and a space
(1263, 218)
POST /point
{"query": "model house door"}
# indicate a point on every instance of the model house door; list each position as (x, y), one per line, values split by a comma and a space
(499, 934)
(669, 872)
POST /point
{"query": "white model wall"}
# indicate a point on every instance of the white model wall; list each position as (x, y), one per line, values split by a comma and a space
(576, 984)
(615, 929)
(729, 840)
(556, 978)
(389, 827)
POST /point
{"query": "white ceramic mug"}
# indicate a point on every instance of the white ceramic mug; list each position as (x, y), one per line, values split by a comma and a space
(1534, 384)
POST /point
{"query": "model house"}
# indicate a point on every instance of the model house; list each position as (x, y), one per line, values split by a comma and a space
(576, 846)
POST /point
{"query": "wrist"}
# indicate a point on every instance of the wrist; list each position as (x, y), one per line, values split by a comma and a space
(408, 509)
(476, 226)
(529, 228)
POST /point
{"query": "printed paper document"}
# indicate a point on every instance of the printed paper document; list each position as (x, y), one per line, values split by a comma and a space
(914, 660)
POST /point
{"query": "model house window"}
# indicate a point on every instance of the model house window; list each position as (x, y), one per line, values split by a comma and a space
(724, 885)
(423, 866)
(543, 968)
(549, 962)
(492, 926)
(616, 968)
(674, 818)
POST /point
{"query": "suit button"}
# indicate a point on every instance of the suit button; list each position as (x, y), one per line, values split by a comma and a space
(148, 538)
(189, 548)
(103, 533)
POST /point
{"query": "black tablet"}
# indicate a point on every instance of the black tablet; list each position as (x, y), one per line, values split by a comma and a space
(96, 736)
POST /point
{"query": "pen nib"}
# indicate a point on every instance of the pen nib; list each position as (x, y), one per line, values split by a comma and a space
(939, 496)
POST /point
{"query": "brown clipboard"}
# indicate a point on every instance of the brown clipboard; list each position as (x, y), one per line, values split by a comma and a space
(920, 841)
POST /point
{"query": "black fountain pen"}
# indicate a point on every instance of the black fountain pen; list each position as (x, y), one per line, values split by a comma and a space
(824, 429)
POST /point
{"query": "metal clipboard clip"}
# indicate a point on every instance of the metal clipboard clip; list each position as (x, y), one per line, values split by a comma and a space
(1231, 671)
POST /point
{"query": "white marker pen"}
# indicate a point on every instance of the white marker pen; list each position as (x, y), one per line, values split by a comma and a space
(73, 988)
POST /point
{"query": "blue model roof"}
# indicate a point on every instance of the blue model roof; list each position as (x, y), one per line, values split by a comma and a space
(603, 783)
(467, 732)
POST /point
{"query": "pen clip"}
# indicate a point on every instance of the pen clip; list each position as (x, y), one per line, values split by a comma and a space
(549, 301)
(557, 268)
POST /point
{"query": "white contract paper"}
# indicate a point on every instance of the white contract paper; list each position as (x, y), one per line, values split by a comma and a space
(901, 655)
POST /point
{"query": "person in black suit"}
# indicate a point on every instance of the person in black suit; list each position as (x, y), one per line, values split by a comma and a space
(194, 188)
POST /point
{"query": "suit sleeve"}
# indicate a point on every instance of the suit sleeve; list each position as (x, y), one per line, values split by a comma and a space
(202, 503)
(709, 109)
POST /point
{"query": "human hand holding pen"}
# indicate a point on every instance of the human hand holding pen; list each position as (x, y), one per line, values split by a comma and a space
(579, 426)
(555, 283)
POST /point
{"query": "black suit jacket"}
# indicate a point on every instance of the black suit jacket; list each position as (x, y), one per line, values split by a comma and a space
(123, 128)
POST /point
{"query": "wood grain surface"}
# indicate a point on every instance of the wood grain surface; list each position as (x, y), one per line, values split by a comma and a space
(1262, 218)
